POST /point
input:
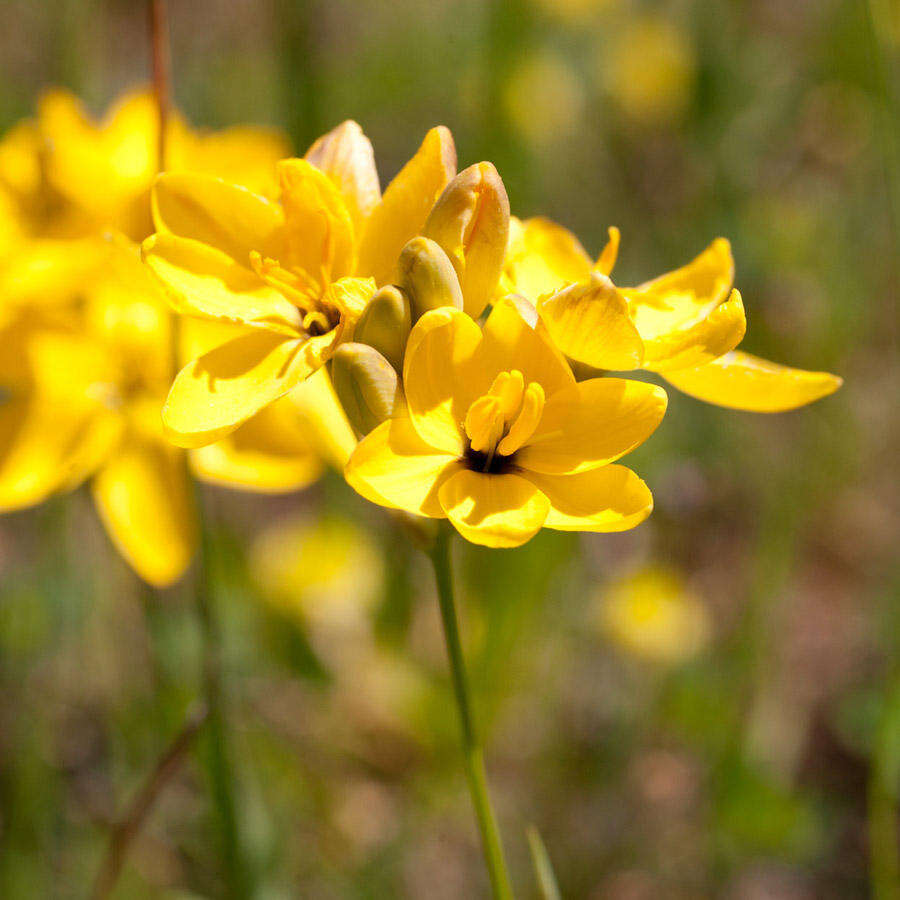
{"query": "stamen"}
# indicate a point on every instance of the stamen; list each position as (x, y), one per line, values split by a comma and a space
(297, 285)
(526, 421)
(316, 322)
(508, 388)
(484, 423)
(503, 419)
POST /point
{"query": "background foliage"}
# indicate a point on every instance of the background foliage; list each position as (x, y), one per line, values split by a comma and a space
(736, 761)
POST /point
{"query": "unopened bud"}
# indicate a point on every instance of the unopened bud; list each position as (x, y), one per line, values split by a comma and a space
(366, 384)
(470, 220)
(385, 324)
(427, 277)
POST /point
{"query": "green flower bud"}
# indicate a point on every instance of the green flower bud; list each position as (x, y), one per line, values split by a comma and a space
(366, 384)
(385, 324)
(427, 277)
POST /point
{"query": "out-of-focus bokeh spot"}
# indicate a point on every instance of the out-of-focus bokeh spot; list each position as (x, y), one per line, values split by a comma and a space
(654, 616)
(648, 66)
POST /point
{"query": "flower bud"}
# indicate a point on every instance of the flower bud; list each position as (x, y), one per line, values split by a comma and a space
(470, 220)
(426, 276)
(385, 324)
(366, 385)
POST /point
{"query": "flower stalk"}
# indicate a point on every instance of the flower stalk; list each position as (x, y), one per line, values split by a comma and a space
(473, 754)
(215, 744)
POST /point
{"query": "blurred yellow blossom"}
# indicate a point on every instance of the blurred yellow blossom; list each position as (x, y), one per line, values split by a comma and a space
(88, 335)
(649, 68)
(105, 169)
(84, 400)
(317, 569)
(654, 616)
(545, 99)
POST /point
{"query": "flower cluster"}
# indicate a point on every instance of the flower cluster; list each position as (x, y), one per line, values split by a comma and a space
(469, 351)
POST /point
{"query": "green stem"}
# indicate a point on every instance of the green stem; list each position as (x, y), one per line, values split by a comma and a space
(216, 753)
(883, 793)
(472, 751)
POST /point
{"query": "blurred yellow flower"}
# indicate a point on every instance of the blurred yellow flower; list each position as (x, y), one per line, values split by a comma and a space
(88, 337)
(297, 273)
(654, 616)
(649, 68)
(684, 325)
(545, 99)
(65, 177)
(501, 440)
(323, 569)
(106, 169)
(84, 402)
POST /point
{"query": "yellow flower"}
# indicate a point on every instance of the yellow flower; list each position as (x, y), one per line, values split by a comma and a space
(654, 616)
(82, 396)
(87, 338)
(501, 440)
(297, 272)
(685, 324)
(85, 402)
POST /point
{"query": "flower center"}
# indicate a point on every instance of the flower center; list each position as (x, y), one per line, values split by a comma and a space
(302, 290)
(500, 422)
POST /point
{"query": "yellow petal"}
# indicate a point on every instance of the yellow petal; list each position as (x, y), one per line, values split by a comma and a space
(511, 343)
(718, 332)
(104, 168)
(319, 232)
(48, 446)
(392, 466)
(315, 402)
(589, 322)
(205, 282)
(327, 426)
(493, 510)
(741, 381)
(270, 453)
(220, 390)
(345, 155)
(126, 309)
(680, 299)
(438, 377)
(403, 209)
(592, 423)
(470, 221)
(226, 216)
(244, 155)
(544, 257)
(606, 261)
(50, 272)
(146, 503)
(611, 498)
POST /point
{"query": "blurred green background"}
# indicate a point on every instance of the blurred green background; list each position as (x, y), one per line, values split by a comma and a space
(708, 706)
